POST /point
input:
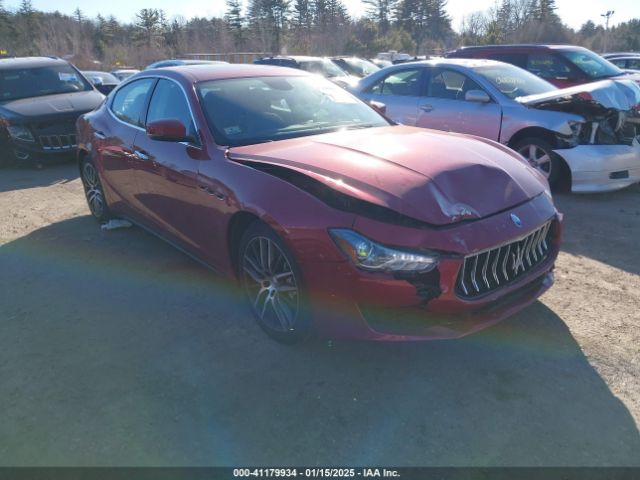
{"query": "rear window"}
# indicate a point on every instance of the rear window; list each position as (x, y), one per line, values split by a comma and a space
(36, 82)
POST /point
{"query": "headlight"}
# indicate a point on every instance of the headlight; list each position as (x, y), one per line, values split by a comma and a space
(20, 133)
(369, 255)
(576, 128)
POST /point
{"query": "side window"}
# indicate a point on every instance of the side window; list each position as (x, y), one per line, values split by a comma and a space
(128, 103)
(403, 82)
(450, 85)
(168, 102)
(633, 63)
(517, 59)
(619, 62)
(546, 65)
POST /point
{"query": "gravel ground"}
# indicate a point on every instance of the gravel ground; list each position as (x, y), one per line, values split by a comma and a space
(115, 349)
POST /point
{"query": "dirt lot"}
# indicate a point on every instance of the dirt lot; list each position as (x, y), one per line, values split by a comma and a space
(116, 349)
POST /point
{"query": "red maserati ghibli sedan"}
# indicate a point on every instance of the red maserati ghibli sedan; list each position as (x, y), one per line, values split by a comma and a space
(332, 219)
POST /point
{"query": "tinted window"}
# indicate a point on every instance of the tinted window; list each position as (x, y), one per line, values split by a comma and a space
(244, 111)
(129, 101)
(449, 84)
(633, 63)
(518, 59)
(546, 65)
(36, 82)
(402, 82)
(323, 67)
(168, 102)
(593, 65)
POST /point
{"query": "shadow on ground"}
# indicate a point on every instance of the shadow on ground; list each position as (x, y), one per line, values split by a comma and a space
(118, 350)
(19, 178)
(604, 227)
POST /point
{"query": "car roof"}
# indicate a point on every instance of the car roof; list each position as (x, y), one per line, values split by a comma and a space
(293, 57)
(201, 73)
(450, 62)
(524, 46)
(30, 62)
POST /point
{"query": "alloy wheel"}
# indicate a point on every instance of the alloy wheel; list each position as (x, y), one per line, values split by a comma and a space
(93, 190)
(271, 284)
(538, 158)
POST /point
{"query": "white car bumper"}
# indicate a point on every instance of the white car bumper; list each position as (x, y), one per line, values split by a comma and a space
(602, 168)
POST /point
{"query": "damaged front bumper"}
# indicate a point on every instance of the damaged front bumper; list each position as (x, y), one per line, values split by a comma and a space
(602, 168)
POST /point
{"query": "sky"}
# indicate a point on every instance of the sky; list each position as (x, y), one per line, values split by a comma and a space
(124, 10)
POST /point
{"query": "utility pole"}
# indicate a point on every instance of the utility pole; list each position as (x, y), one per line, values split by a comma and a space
(606, 28)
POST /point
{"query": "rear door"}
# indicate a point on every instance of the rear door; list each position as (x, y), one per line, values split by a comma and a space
(400, 92)
(444, 106)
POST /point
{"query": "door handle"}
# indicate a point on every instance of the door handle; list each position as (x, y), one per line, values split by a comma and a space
(208, 191)
(426, 108)
(141, 154)
(100, 135)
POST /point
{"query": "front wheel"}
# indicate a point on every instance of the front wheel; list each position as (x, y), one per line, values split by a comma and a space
(93, 190)
(272, 283)
(539, 154)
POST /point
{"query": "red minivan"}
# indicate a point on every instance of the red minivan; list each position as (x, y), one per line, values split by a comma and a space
(562, 65)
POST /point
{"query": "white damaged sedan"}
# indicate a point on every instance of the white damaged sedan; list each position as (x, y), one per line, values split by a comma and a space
(585, 136)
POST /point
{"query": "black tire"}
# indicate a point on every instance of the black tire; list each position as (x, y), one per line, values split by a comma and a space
(93, 190)
(539, 153)
(272, 283)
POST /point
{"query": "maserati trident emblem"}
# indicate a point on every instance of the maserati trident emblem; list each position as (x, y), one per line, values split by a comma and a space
(516, 220)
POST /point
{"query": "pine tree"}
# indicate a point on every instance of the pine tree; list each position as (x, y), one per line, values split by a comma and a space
(235, 21)
(381, 12)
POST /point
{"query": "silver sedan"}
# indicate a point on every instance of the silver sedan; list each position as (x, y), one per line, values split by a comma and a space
(586, 136)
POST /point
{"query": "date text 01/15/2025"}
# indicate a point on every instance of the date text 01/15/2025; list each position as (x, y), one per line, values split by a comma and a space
(315, 472)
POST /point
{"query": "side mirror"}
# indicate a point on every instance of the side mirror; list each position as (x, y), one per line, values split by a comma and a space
(97, 81)
(379, 107)
(167, 130)
(478, 96)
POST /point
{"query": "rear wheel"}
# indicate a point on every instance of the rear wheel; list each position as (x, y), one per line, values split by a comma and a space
(539, 153)
(93, 190)
(271, 280)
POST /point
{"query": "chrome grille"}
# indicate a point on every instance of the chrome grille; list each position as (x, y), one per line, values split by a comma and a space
(58, 142)
(485, 271)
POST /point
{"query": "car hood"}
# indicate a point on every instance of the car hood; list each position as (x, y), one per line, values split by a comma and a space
(622, 94)
(53, 105)
(434, 177)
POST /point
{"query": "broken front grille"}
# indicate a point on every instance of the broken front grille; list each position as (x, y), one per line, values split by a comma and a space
(58, 142)
(486, 271)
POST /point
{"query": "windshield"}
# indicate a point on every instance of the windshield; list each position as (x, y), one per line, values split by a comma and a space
(36, 82)
(593, 65)
(323, 67)
(103, 77)
(359, 67)
(513, 81)
(245, 111)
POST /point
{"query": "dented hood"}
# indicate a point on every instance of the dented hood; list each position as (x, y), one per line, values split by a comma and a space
(434, 177)
(620, 95)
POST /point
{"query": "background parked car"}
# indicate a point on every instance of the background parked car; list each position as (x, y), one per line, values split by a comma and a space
(628, 61)
(316, 65)
(103, 81)
(124, 73)
(562, 65)
(176, 62)
(572, 134)
(40, 101)
(314, 185)
(355, 66)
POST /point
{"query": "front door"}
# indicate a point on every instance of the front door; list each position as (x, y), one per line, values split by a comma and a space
(166, 172)
(444, 106)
